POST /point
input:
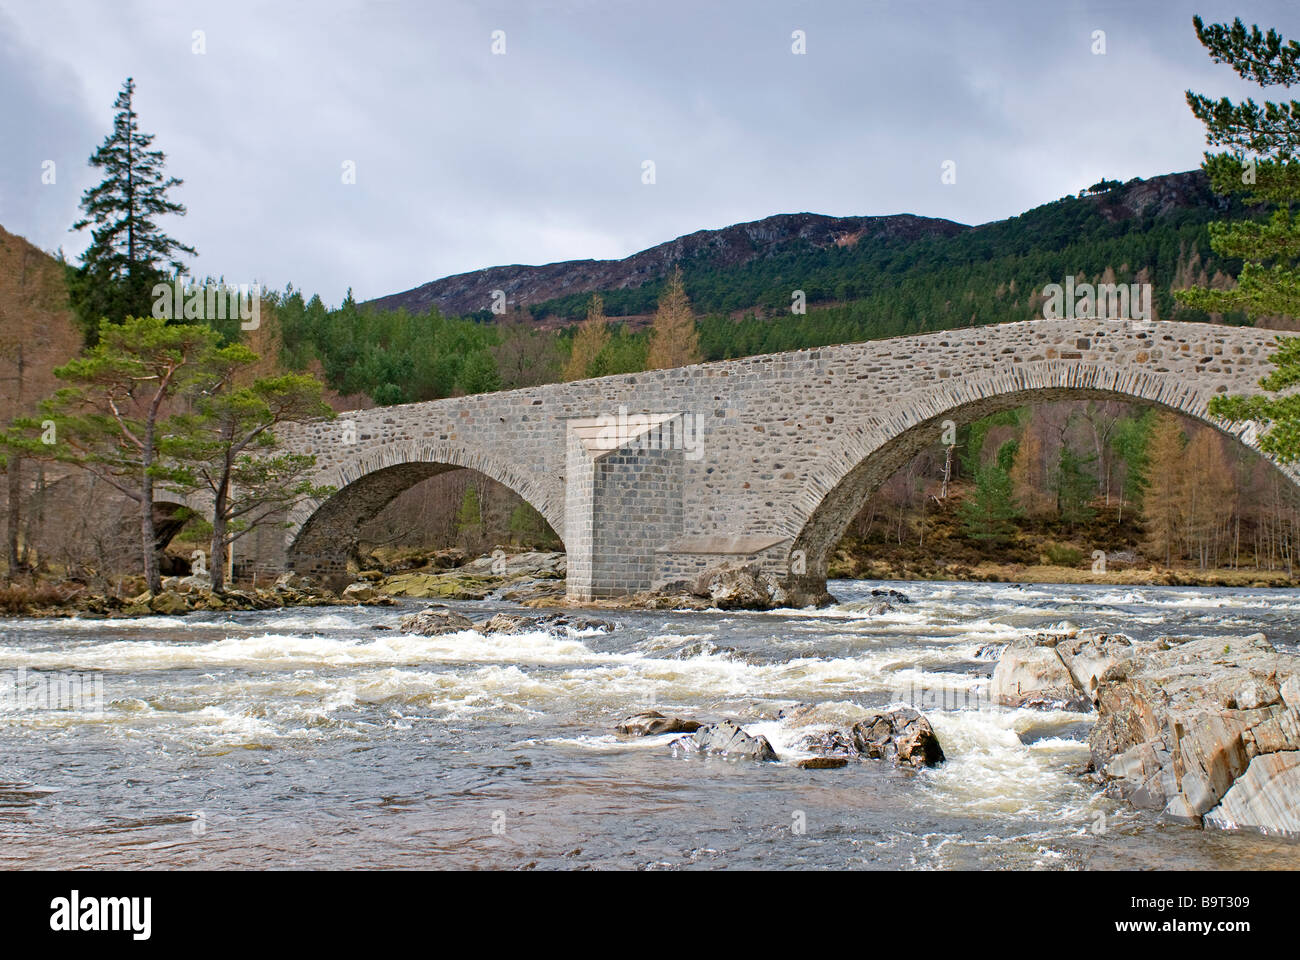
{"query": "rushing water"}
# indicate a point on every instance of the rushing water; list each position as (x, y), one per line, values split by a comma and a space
(317, 738)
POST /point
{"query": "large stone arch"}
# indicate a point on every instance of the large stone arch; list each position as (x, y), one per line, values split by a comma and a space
(860, 461)
(321, 532)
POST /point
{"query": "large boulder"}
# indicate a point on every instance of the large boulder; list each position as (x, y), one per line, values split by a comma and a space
(169, 602)
(444, 586)
(1030, 673)
(738, 588)
(725, 739)
(1180, 725)
(362, 590)
(511, 566)
(434, 622)
(652, 723)
(902, 735)
(1088, 655)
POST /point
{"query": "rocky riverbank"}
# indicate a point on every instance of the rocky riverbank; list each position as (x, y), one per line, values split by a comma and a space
(181, 595)
(1199, 730)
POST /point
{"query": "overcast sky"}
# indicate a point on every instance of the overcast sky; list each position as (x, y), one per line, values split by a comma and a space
(465, 158)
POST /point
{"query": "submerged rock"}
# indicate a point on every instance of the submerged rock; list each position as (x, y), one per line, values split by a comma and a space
(511, 623)
(822, 763)
(871, 608)
(725, 739)
(652, 723)
(435, 621)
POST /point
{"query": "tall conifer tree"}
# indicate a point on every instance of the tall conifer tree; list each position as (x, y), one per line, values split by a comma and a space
(128, 252)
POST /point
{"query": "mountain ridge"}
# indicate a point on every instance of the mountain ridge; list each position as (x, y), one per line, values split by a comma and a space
(530, 285)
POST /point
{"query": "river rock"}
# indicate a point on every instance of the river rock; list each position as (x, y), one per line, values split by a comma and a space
(724, 739)
(550, 566)
(1266, 797)
(737, 587)
(1179, 728)
(902, 735)
(1089, 655)
(445, 586)
(169, 602)
(511, 623)
(822, 763)
(651, 723)
(360, 591)
(435, 621)
(1030, 673)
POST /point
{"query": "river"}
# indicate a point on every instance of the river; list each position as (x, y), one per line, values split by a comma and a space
(316, 738)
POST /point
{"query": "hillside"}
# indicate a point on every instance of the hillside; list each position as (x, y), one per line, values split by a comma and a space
(755, 265)
(37, 328)
(724, 249)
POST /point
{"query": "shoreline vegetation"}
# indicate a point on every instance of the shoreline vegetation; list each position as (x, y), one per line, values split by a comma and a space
(536, 579)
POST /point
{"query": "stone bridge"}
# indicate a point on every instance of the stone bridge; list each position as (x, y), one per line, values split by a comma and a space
(650, 477)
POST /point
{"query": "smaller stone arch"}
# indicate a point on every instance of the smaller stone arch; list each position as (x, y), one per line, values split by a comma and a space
(321, 533)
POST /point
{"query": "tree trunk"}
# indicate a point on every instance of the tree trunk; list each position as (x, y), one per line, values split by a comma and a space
(148, 535)
(218, 570)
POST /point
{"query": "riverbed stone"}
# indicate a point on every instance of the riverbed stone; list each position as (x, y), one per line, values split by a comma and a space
(725, 739)
(434, 622)
(651, 723)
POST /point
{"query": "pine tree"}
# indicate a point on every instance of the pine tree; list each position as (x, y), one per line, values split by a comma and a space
(1260, 163)
(1074, 487)
(111, 419)
(214, 450)
(469, 517)
(988, 513)
(128, 250)
(589, 343)
(674, 339)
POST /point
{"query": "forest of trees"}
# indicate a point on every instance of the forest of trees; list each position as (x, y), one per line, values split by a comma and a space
(1056, 482)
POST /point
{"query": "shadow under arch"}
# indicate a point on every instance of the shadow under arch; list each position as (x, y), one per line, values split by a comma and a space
(322, 533)
(854, 473)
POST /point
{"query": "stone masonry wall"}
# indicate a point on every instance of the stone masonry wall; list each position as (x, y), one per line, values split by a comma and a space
(789, 443)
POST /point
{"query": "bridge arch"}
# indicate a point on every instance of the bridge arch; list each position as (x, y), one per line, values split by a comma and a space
(322, 532)
(860, 462)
